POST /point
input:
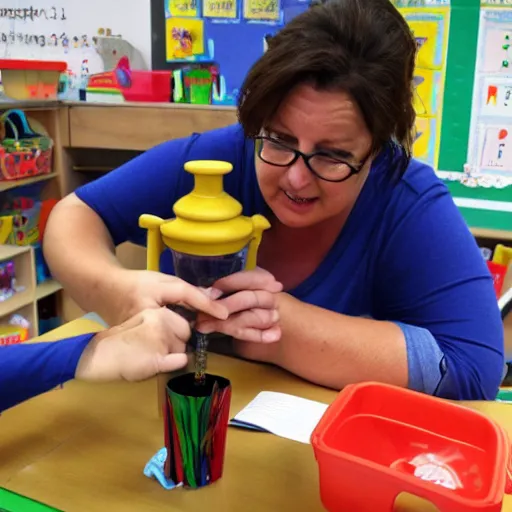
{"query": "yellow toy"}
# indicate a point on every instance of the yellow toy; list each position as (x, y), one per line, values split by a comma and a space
(209, 237)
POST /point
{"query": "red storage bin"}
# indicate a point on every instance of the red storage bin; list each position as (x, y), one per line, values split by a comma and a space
(31, 79)
(498, 273)
(148, 86)
(376, 441)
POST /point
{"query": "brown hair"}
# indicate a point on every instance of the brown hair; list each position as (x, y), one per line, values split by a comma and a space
(363, 47)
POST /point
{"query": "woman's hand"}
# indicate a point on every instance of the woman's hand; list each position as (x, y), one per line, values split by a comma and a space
(251, 302)
(151, 342)
(138, 290)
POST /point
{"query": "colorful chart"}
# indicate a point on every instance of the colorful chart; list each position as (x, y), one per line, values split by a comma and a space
(430, 26)
(490, 145)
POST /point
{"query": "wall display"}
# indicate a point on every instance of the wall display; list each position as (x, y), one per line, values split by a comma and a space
(68, 30)
(490, 145)
(430, 25)
(211, 44)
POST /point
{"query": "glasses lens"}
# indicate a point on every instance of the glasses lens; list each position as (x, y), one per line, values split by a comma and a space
(275, 153)
(329, 168)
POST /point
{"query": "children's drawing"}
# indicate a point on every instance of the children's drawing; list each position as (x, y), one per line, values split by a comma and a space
(185, 38)
(496, 97)
(497, 49)
(497, 149)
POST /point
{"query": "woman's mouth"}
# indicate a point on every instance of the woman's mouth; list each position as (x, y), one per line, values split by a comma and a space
(299, 199)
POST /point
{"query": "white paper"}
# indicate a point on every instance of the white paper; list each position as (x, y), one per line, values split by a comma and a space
(284, 415)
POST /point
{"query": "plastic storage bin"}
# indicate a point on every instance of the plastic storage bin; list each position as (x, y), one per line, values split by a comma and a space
(31, 79)
(377, 441)
(148, 86)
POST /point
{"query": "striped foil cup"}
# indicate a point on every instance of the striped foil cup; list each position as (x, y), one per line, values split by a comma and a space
(196, 421)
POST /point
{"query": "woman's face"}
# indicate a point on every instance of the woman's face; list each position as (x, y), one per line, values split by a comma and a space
(310, 121)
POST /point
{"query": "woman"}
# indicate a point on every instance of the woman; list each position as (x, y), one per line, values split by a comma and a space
(151, 342)
(382, 279)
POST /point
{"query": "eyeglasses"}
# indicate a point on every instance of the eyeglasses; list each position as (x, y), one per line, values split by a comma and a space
(323, 165)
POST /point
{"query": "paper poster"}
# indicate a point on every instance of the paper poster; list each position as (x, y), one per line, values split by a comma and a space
(184, 38)
(496, 97)
(262, 9)
(219, 8)
(496, 148)
(490, 143)
(430, 27)
(497, 50)
(184, 8)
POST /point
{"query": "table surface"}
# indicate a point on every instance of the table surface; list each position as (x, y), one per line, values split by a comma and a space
(84, 447)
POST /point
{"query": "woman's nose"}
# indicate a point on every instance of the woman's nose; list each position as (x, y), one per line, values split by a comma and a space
(299, 176)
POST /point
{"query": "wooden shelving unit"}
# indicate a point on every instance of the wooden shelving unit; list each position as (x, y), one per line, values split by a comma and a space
(22, 302)
(9, 185)
(49, 116)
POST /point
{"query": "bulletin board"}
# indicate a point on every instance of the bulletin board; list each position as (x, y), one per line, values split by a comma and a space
(230, 33)
(490, 144)
(449, 35)
(483, 187)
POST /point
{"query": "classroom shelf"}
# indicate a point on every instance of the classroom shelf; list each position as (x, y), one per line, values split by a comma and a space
(8, 185)
(16, 302)
(24, 263)
(8, 252)
(46, 288)
(93, 168)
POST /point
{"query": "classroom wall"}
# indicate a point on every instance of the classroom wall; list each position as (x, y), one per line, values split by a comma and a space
(27, 28)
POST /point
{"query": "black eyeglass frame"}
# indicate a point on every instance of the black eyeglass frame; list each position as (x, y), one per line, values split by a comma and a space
(307, 157)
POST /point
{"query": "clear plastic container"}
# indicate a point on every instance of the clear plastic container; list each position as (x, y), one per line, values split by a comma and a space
(205, 270)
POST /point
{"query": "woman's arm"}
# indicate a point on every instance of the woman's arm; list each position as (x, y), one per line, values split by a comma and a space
(27, 370)
(149, 343)
(85, 227)
(334, 350)
(81, 254)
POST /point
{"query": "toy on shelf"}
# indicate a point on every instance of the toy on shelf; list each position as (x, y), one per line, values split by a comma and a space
(8, 286)
(126, 84)
(17, 330)
(25, 213)
(197, 84)
(24, 223)
(111, 48)
(23, 152)
(31, 79)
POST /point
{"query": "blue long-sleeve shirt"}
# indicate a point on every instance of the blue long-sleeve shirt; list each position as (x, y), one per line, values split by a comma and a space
(405, 255)
(27, 370)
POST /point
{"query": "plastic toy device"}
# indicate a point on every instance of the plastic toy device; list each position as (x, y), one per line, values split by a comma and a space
(209, 238)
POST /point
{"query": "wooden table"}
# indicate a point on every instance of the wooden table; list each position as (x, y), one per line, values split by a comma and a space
(83, 448)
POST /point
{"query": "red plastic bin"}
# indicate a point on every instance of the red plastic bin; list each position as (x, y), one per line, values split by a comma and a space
(149, 86)
(498, 273)
(376, 441)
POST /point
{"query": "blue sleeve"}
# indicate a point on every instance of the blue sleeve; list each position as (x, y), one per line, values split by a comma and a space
(27, 370)
(155, 180)
(431, 275)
